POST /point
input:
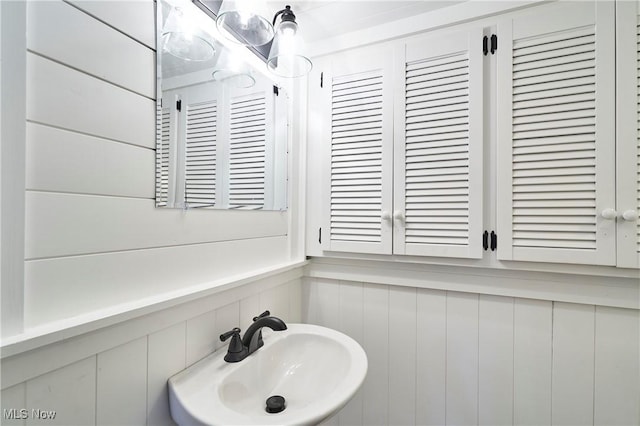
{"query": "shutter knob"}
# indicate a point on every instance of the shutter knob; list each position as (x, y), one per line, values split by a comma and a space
(399, 216)
(386, 215)
(609, 214)
(630, 215)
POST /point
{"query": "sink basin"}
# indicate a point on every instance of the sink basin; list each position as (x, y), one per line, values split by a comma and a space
(316, 369)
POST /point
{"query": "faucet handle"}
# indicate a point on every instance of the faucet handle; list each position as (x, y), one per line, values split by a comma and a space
(236, 350)
(262, 315)
(225, 336)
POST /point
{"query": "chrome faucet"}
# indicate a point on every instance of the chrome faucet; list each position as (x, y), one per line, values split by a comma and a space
(239, 348)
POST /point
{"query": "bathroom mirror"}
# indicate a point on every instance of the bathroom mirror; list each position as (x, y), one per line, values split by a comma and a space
(221, 122)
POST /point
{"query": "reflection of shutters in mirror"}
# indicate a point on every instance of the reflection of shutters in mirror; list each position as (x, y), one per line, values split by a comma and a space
(557, 137)
(201, 139)
(247, 149)
(163, 116)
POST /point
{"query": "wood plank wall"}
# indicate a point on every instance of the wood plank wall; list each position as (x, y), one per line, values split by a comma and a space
(93, 237)
(450, 358)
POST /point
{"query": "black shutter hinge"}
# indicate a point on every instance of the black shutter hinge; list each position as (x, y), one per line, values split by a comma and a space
(179, 105)
(320, 235)
(322, 79)
(276, 91)
(489, 240)
(485, 44)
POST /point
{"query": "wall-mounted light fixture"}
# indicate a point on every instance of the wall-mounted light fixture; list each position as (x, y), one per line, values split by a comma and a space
(287, 57)
(243, 21)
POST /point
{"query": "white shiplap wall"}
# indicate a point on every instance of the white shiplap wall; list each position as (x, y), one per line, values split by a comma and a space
(118, 375)
(93, 238)
(440, 357)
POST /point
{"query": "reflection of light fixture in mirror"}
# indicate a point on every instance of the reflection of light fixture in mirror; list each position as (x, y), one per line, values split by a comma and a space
(287, 58)
(241, 80)
(233, 71)
(181, 42)
(242, 21)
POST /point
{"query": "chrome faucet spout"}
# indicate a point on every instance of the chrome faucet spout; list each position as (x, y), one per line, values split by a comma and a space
(253, 336)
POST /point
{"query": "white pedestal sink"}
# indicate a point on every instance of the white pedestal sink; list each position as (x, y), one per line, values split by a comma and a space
(316, 369)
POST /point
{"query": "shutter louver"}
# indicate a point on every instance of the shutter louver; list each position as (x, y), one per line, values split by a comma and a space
(356, 157)
(437, 151)
(554, 141)
(201, 140)
(247, 147)
(162, 156)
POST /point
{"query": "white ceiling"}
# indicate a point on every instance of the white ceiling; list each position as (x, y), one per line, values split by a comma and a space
(323, 19)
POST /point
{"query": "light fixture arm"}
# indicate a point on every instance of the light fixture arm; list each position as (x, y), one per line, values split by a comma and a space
(287, 15)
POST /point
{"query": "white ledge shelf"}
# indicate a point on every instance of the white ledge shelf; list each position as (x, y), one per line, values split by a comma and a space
(57, 331)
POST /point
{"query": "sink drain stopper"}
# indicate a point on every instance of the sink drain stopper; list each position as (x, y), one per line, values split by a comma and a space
(275, 404)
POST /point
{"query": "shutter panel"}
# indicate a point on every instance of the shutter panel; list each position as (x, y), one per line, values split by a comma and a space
(247, 149)
(163, 116)
(200, 154)
(359, 119)
(628, 131)
(558, 136)
(438, 158)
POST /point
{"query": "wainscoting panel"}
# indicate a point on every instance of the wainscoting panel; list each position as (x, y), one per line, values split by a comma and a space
(495, 360)
(573, 368)
(462, 359)
(120, 368)
(431, 349)
(439, 357)
(166, 358)
(402, 354)
(69, 392)
(617, 366)
(532, 355)
(375, 390)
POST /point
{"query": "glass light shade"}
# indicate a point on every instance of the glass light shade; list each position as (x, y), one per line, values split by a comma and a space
(233, 71)
(241, 80)
(181, 42)
(244, 21)
(287, 58)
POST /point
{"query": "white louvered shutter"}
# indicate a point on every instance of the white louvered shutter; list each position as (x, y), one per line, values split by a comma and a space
(248, 149)
(358, 100)
(438, 147)
(201, 154)
(163, 116)
(628, 132)
(556, 138)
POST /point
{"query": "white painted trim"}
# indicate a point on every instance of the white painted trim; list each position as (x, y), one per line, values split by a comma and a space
(297, 166)
(13, 82)
(593, 290)
(626, 131)
(457, 14)
(113, 316)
